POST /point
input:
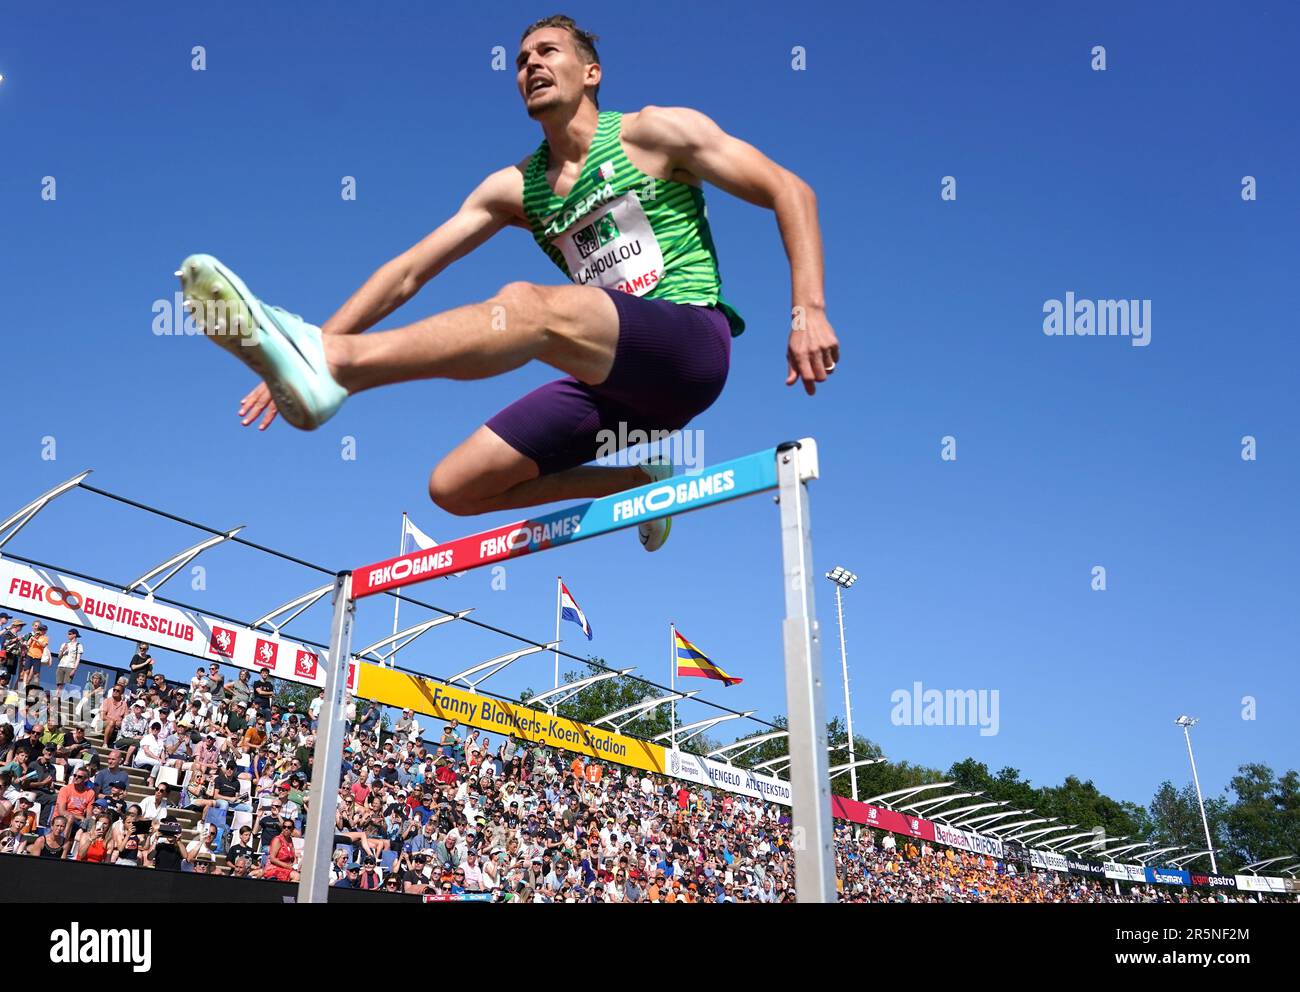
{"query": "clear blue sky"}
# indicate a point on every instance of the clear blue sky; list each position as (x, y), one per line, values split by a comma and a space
(1072, 452)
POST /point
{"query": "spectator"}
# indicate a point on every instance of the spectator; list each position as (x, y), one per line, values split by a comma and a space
(53, 844)
(141, 662)
(282, 855)
(263, 692)
(92, 844)
(156, 807)
(351, 878)
(112, 713)
(369, 877)
(70, 652)
(37, 647)
(241, 846)
(151, 752)
(205, 846)
(134, 728)
(129, 855)
(75, 800)
(38, 777)
(166, 853)
(114, 775)
(13, 647)
(216, 681)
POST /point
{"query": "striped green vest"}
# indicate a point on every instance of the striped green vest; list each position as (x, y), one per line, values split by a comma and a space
(623, 230)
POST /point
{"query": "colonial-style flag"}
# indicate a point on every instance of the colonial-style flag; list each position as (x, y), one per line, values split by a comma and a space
(693, 662)
(570, 610)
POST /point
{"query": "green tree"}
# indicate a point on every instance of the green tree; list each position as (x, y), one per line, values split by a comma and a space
(1175, 818)
(610, 696)
(873, 780)
(294, 692)
(1263, 820)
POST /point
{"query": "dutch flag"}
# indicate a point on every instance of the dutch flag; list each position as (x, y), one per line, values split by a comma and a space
(570, 610)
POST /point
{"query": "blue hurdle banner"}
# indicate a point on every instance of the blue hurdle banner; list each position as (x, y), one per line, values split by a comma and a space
(681, 494)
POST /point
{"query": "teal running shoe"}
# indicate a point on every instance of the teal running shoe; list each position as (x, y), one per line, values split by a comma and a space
(653, 533)
(283, 349)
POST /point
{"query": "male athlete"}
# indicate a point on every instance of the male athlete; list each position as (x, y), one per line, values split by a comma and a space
(642, 332)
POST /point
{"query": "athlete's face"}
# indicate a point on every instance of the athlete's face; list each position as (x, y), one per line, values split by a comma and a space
(550, 72)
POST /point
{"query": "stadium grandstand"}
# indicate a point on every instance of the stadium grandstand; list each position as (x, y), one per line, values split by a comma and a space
(447, 792)
(210, 776)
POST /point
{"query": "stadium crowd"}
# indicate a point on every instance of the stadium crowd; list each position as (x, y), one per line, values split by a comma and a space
(212, 777)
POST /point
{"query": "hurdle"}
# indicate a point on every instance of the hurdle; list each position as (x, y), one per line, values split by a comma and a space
(786, 468)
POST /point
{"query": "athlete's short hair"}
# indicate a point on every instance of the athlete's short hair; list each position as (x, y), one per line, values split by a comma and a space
(584, 40)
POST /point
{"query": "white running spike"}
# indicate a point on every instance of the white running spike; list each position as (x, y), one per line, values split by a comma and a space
(178, 273)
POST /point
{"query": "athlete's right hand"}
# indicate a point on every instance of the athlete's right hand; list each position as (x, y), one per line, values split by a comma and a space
(254, 404)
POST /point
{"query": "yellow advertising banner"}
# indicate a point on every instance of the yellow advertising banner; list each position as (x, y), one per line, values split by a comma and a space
(393, 688)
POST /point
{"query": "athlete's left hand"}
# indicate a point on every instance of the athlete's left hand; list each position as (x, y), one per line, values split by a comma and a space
(813, 351)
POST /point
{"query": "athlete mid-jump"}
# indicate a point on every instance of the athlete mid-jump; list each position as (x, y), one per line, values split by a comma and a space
(642, 331)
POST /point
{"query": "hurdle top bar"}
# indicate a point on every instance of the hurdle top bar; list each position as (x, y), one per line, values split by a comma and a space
(681, 494)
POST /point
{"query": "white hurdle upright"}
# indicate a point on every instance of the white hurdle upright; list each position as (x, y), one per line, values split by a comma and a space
(787, 468)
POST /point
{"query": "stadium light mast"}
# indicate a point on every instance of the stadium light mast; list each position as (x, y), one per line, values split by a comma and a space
(843, 579)
(1187, 723)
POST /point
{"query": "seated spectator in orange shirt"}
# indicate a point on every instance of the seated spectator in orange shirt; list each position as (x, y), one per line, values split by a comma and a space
(255, 735)
(76, 799)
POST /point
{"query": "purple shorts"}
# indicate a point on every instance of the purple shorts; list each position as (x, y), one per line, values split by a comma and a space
(671, 364)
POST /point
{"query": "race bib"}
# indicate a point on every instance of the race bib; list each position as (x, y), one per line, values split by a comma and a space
(613, 247)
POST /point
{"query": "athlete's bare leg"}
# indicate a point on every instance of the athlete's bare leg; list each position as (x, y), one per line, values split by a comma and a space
(484, 473)
(573, 328)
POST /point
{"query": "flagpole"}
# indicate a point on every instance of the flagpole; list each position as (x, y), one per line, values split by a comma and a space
(672, 676)
(397, 603)
(559, 584)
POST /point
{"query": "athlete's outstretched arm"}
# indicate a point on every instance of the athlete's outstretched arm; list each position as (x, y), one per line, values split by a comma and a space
(495, 204)
(696, 145)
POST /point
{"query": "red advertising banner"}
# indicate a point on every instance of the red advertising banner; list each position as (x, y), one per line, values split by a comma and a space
(880, 818)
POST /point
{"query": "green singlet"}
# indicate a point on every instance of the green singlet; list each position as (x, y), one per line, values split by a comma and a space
(620, 229)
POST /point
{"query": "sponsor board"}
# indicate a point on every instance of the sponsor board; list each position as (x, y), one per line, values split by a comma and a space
(1124, 873)
(1049, 860)
(881, 818)
(62, 599)
(968, 841)
(1092, 869)
(1168, 876)
(742, 781)
(394, 688)
(1261, 883)
(1214, 881)
(681, 494)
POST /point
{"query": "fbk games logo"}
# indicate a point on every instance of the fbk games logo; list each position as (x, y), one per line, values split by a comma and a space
(266, 653)
(222, 642)
(305, 665)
